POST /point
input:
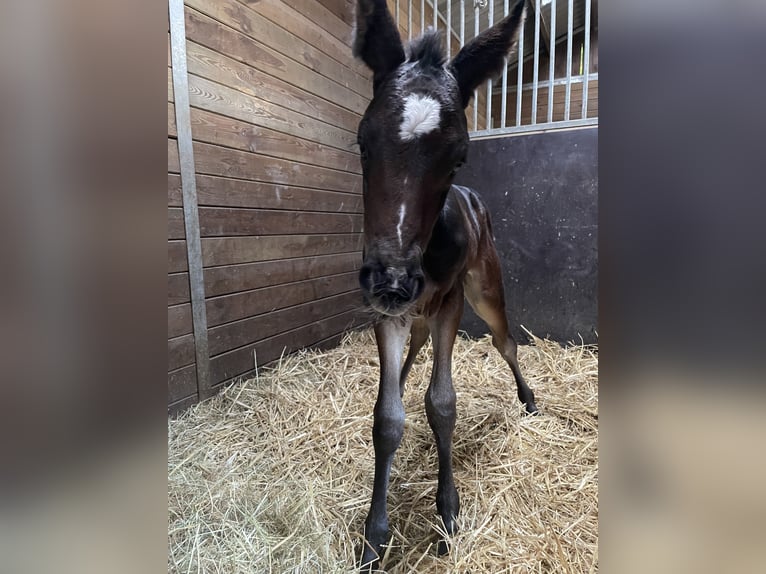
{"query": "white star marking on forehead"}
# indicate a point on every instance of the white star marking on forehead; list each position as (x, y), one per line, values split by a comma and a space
(422, 114)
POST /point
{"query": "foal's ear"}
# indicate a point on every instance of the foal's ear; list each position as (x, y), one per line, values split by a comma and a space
(483, 57)
(376, 39)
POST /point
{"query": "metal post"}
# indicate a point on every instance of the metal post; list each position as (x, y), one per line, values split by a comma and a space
(568, 96)
(397, 15)
(422, 16)
(552, 56)
(189, 193)
(520, 75)
(537, 62)
(462, 22)
(435, 4)
(586, 64)
(504, 95)
(475, 92)
(409, 20)
(490, 20)
(449, 29)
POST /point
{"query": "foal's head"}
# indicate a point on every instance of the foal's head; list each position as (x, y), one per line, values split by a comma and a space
(412, 139)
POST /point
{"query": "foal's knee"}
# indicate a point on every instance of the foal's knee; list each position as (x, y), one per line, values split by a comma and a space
(388, 429)
(440, 407)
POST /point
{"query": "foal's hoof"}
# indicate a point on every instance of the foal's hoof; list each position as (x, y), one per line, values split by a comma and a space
(442, 548)
(370, 561)
(532, 408)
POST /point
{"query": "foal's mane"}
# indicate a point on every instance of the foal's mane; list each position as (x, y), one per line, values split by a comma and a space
(427, 49)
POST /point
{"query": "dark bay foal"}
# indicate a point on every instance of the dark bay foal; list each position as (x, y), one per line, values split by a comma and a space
(428, 243)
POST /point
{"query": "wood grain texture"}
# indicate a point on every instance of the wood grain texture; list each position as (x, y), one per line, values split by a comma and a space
(208, 95)
(182, 383)
(241, 76)
(322, 17)
(178, 288)
(179, 320)
(217, 129)
(180, 352)
(241, 47)
(235, 278)
(177, 256)
(233, 250)
(288, 16)
(175, 195)
(173, 164)
(240, 333)
(238, 306)
(239, 361)
(225, 192)
(226, 222)
(247, 21)
(215, 160)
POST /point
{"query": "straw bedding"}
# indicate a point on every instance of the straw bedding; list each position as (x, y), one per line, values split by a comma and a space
(274, 474)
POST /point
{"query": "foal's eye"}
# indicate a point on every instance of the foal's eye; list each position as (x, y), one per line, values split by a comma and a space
(454, 169)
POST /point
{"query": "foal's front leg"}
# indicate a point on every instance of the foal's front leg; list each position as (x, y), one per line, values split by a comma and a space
(387, 430)
(441, 406)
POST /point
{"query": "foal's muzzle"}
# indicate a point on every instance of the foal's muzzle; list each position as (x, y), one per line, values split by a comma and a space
(391, 290)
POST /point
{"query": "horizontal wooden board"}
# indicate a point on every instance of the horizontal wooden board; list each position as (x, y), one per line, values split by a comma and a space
(178, 288)
(173, 163)
(320, 16)
(208, 95)
(176, 223)
(234, 363)
(235, 278)
(226, 192)
(228, 41)
(215, 160)
(172, 120)
(180, 352)
(178, 407)
(238, 306)
(226, 222)
(233, 250)
(182, 383)
(291, 18)
(218, 129)
(250, 22)
(177, 256)
(171, 95)
(179, 320)
(240, 333)
(175, 193)
(342, 9)
(242, 77)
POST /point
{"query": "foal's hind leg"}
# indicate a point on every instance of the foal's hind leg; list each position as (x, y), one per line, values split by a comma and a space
(484, 291)
(418, 337)
(440, 406)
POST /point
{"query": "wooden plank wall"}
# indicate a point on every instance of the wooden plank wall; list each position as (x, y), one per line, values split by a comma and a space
(275, 98)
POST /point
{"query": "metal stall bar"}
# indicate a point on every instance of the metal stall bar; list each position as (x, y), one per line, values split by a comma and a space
(490, 21)
(435, 4)
(568, 96)
(409, 20)
(552, 56)
(422, 16)
(535, 75)
(462, 22)
(189, 195)
(520, 75)
(539, 128)
(586, 64)
(397, 14)
(504, 96)
(475, 92)
(449, 29)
